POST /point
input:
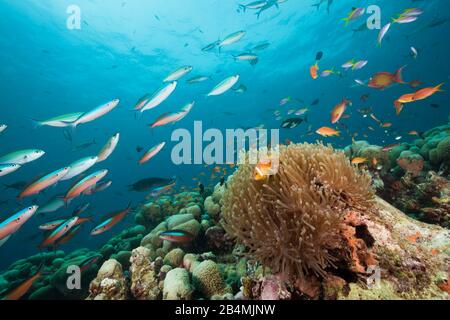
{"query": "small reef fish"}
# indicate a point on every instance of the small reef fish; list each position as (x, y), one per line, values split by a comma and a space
(353, 15)
(78, 188)
(167, 118)
(95, 113)
(160, 190)
(241, 89)
(390, 147)
(313, 71)
(84, 146)
(3, 127)
(382, 33)
(176, 236)
(98, 187)
(414, 52)
(264, 168)
(231, 39)
(326, 73)
(339, 110)
(255, 5)
(59, 121)
(59, 232)
(210, 46)
(327, 132)
(157, 98)
(111, 222)
(383, 80)
(249, 57)
(22, 157)
(8, 168)
(404, 19)
(149, 184)
(23, 288)
(224, 86)
(359, 65)
(16, 185)
(43, 183)
(292, 123)
(358, 160)
(151, 153)
(15, 222)
(80, 209)
(69, 235)
(261, 46)
(197, 79)
(426, 92)
(178, 74)
(52, 205)
(80, 166)
(52, 225)
(412, 12)
(109, 148)
(89, 262)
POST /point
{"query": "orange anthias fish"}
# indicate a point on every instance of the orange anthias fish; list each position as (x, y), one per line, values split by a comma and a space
(23, 288)
(111, 222)
(383, 80)
(264, 169)
(426, 92)
(386, 125)
(358, 160)
(398, 107)
(339, 110)
(413, 133)
(327, 132)
(313, 70)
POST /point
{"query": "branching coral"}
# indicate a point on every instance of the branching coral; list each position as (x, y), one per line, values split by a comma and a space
(289, 221)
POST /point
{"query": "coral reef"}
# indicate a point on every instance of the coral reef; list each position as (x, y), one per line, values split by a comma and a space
(314, 230)
(110, 283)
(143, 273)
(415, 178)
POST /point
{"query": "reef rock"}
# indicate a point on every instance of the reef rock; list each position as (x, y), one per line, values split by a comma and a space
(144, 281)
(110, 283)
(177, 285)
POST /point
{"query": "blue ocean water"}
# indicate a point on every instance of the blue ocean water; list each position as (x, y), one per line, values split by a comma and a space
(125, 48)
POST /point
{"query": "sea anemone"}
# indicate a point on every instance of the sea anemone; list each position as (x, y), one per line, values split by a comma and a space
(289, 221)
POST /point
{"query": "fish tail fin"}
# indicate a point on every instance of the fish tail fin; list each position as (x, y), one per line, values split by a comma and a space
(398, 75)
(347, 21)
(36, 123)
(438, 87)
(241, 6)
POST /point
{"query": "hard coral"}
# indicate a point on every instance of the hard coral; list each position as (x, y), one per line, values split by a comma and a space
(290, 221)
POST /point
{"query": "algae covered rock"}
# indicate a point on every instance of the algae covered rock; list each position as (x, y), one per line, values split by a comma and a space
(177, 285)
(174, 257)
(144, 282)
(110, 283)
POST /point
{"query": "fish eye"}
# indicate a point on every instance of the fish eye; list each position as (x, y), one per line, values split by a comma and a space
(30, 208)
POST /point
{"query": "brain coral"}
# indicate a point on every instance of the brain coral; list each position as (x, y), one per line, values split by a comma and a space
(288, 221)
